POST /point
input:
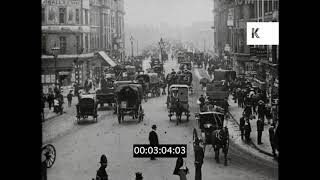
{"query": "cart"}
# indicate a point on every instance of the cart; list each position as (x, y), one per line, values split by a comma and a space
(207, 123)
(128, 101)
(178, 94)
(86, 107)
(154, 85)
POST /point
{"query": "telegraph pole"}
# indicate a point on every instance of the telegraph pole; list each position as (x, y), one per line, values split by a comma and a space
(137, 48)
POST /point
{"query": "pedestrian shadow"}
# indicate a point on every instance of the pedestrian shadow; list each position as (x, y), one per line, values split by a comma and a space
(86, 121)
(105, 108)
(130, 121)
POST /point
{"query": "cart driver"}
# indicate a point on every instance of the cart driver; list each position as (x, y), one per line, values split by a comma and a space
(202, 101)
(174, 96)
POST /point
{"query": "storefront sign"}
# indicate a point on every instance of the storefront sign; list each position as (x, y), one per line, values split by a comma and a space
(62, 2)
(53, 78)
(241, 2)
(251, 72)
(253, 51)
(42, 79)
(261, 53)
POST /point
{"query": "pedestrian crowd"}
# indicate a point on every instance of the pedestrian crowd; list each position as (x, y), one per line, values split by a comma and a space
(55, 101)
(254, 103)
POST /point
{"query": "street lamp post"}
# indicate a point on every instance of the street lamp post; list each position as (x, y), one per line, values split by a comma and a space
(131, 39)
(160, 44)
(55, 56)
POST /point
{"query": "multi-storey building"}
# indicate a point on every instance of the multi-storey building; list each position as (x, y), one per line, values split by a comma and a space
(230, 18)
(73, 32)
(65, 33)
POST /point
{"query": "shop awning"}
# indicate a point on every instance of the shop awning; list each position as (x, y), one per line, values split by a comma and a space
(107, 59)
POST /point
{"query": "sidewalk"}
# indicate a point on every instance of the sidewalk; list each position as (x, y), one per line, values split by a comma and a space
(236, 112)
(49, 114)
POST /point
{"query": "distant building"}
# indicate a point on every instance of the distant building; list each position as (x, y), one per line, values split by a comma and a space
(230, 18)
(73, 31)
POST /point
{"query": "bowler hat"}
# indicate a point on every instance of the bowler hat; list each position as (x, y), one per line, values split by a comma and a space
(103, 160)
(154, 126)
(139, 175)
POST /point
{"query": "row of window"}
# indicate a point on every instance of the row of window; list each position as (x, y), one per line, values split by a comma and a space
(63, 44)
(94, 43)
(63, 16)
(256, 8)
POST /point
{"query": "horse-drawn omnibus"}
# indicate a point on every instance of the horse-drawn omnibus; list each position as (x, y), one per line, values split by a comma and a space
(128, 101)
(177, 101)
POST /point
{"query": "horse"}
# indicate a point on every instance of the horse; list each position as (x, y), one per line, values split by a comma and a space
(178, 110)
(219, 139)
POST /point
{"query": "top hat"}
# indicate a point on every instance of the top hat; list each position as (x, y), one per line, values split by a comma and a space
(139, 175)
(103, 160)
(154, 126)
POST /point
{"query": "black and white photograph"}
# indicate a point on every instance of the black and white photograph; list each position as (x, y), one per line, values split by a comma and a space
(160, 89)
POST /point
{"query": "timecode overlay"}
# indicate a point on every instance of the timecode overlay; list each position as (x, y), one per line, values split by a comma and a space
(163, 150)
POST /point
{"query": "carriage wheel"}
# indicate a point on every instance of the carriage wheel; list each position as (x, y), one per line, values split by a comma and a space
(50, 152)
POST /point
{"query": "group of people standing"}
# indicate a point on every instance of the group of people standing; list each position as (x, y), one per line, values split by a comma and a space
(55, 100)
(254, 104)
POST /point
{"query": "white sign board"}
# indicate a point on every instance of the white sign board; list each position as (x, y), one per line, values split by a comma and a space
(262, 33)
(230, 17)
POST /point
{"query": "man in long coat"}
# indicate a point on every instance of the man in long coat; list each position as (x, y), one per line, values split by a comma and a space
(153, 138)
(199, 155)
(260, 127)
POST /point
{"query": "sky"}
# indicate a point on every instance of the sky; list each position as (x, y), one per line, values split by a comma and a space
(171, 12)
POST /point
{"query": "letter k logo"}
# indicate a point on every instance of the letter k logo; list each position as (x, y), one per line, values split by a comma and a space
(254, 33)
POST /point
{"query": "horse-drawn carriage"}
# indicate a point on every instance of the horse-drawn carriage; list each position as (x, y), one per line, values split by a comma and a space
(154, 84)
(105, 94)
(198, 59)
(128, 101)
(177, 101)
(144, 80)
(212, 131)
(86, 107)
(185, 65)
(181, 57)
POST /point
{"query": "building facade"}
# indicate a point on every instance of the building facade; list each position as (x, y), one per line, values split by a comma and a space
(73, 31)
(259, 63)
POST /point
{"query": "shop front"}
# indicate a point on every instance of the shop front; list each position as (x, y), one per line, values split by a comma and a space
(63, 71)
(240, 62)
